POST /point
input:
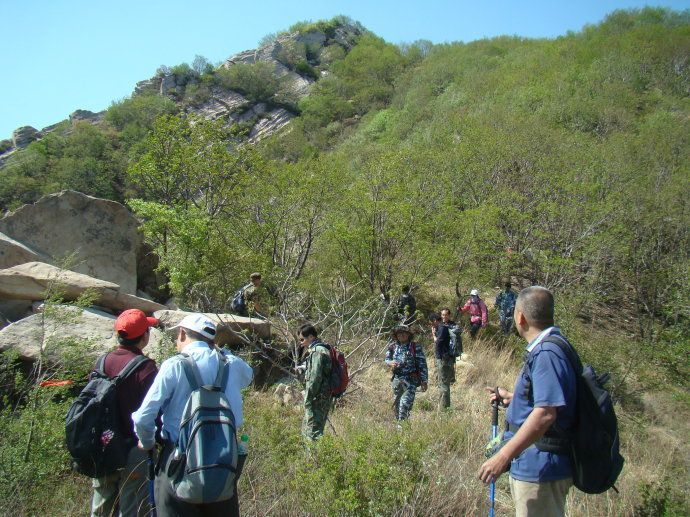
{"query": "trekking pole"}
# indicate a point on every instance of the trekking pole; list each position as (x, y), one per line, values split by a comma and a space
(152, 499)
(494, 434)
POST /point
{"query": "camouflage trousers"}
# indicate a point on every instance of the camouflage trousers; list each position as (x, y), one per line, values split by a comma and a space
(506, 322)
(315, 415)
(445, 374)
(404, 392)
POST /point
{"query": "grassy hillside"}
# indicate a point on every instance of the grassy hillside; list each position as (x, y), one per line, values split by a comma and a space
(445, 167)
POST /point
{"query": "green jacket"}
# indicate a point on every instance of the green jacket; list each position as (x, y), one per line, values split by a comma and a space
(318, 371)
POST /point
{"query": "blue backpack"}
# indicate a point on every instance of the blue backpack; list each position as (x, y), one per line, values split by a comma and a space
(203, 467)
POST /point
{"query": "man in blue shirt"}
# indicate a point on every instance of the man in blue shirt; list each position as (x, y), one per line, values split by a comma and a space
(169, 393)
(505, 304)
(544, 395)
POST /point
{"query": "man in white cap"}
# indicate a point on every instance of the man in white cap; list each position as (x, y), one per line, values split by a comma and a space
(169, 394)
(479, 315)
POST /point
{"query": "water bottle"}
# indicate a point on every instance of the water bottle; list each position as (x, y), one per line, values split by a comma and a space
(243, 445)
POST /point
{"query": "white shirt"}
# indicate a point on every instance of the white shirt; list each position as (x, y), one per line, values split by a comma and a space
(170, 391)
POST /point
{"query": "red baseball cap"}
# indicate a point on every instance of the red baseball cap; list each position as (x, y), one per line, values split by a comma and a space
(132, 323)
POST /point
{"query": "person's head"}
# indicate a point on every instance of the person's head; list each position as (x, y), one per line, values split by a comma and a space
(255, 278)
(508, 286)
(195, 327)
(434, 319)
(474, 292)
(402, 334)
(445, 315)
(534, 310)
(406, 289)
(133, 328)
(307, 334)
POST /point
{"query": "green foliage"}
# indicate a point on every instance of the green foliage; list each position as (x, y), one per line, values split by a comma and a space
(659, 500)
(257, 81)
(304, 69)
(134, 117)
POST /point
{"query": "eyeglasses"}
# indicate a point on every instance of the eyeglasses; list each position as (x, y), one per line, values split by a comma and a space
(302, 340)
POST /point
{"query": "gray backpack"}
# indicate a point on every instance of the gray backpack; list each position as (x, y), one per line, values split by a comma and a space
(203, 467)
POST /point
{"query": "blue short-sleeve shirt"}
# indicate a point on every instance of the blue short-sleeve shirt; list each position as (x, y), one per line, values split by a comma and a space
(553, 385)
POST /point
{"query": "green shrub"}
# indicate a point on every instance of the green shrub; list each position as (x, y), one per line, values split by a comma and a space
(304, 69)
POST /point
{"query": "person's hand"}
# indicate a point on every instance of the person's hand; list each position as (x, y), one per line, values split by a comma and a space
(493, 467)
(300, 369)
(423, 387)
(394, 365)
(504, 397)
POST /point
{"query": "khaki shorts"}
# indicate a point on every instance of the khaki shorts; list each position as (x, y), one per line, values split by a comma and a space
(546, 499)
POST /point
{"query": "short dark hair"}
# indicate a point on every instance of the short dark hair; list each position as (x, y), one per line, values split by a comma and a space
(307, 330)
(406, 289)
(537, 304)
(255, 276)
(123, 341)
(446, 309)
(508, 285)
(434, 316)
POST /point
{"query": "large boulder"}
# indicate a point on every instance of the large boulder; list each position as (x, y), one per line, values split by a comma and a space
(23, 136)
(13, 253)
(230, 328)
(65, 327)
(32, 281)
(100, 236)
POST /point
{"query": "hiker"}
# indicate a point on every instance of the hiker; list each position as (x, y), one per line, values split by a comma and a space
(246, 300)
(445, 363)
(406, 306)
(124, 492)
(251, 296)
(478, 312)
(505, 304)
(539, 480)
(317, 374)
(170, 392)
(408, 364)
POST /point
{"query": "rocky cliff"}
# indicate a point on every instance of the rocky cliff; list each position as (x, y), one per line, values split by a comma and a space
(297, 59)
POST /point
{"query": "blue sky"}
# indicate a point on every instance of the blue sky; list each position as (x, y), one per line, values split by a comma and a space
(59, 56)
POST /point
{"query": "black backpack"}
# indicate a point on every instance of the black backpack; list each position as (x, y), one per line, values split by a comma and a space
(92, 425)
(593, 442)
(238, 305)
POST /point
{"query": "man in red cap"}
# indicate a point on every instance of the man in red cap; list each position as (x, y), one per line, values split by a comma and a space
(124, 492)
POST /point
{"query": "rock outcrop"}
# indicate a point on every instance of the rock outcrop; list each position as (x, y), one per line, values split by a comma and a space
(230, 328)
(87, 115)
(100, 236)
(31, 281)
(13, 252)
(23, 136)
(68, 330)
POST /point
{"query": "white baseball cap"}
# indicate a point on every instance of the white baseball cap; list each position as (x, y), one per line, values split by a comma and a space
(200, 324)
(474, 292)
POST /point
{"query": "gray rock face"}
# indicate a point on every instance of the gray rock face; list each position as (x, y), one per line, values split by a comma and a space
(87, 115)
(92, 331)
(13, 253)
(267, 125)
(168, 83)
(23, 136)
(31, 281)
(153, 84)
(102, 235)
(228, 325)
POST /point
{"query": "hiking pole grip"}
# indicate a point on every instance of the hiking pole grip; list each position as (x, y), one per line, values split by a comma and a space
(494, 413)
(152, 499)
(494, 433)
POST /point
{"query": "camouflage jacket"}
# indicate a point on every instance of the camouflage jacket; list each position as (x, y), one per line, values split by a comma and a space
(505, 302)
(411, 366)
(318, 370)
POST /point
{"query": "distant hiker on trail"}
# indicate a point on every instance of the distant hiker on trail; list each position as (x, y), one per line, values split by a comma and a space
(317, 374)
(246, 300)
(445, 361)
(406, 307)
(124, 493)
(407, 362)
(170, 394)
(505, 305)
(544, 396)
(478, 312)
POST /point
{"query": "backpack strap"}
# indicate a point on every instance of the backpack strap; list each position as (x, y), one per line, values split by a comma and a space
(129, 368)
(192, 372)
(223, 371)
(99, 369)
(556, 439)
